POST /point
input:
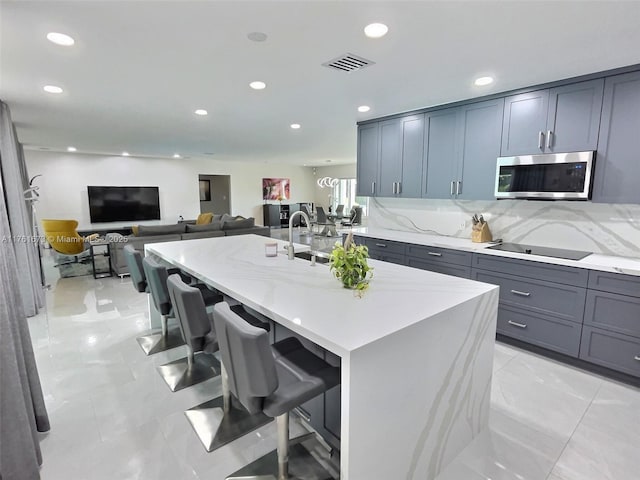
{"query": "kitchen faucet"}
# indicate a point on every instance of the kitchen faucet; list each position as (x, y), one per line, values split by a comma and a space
(290, 251)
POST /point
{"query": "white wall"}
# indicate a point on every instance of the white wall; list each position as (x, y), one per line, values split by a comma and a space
(65, 176)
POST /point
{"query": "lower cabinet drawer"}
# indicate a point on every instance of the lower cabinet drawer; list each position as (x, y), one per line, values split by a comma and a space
(548, 332)
(440, 267)
(611, 311)
(612, 350)
(385, 256)
(565, 302)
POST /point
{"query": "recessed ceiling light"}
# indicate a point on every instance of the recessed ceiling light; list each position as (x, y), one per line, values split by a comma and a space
(52, 89)
(71, 149)
(258, 85)
(295, 126)
(125, 154)
(176, 155)
(364, 108)
(257, 36)
(60, 39)
(201, 112)
(481, 81)
(376, 30)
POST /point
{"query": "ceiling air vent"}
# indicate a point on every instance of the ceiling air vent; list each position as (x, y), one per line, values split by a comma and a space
(348, 63)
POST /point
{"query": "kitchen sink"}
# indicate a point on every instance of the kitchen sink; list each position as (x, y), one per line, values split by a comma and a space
(321, 257)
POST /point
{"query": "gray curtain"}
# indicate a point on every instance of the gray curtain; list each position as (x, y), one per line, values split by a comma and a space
(16, 181)
(22, 409)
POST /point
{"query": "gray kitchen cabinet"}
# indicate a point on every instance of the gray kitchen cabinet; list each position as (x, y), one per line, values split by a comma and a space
(368, 159)
(390, 157)
(538, 329)
(618, 161)
(612, 311)
(481, 125)
(441, 157)
(548, 298)
(525, 119)
(440, 260)
(614, 283)
(462, 146)
(612, 350)
(410, 185)
(573, 121)
(561, 119)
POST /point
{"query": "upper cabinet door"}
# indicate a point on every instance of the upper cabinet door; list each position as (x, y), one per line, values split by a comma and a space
(390, 157)
(412, 154)
(368, 160)
(525, 119)
(441, 156)
(573, 121)
(481, 132)
(618, 158)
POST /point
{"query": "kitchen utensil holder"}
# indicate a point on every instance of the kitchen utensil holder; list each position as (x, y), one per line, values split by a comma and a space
(480, 233)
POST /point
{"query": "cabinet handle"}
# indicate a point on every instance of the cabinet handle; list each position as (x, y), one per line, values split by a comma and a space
(300, 412)
(549, 139)
(435, 254)
(373, 188)
(381, 245)
(637, 357)
(540, 139)
(393, 188)
(516, 324)
(399, 188)
(522, 294)
(458, 188)
(452, 188)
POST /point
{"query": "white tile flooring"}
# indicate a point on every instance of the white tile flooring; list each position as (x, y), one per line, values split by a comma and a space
(112, 417)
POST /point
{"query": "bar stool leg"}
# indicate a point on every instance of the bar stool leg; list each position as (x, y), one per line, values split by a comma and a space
(164, 321)
(190, 357)
(226, 393)
(282, 422)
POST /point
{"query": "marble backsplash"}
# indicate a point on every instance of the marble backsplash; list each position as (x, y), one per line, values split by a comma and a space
(599, 228)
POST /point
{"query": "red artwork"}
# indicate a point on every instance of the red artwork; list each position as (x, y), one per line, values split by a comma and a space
(275, 189)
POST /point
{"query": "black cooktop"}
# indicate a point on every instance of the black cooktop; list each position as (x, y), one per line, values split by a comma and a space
(544, 251)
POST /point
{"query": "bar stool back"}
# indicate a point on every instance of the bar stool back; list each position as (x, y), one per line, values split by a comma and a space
(274, 379)
(134, 262)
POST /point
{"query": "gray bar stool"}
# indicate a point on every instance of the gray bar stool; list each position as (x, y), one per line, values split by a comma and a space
(273, 379)
(154, 342)
(218, 421)
(184, 372)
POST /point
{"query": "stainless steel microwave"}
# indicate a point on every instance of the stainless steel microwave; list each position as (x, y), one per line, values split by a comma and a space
(558, 176)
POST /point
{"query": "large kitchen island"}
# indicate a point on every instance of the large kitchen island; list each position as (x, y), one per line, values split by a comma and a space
(416, 350)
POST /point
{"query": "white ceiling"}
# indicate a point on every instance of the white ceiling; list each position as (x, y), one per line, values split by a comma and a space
(139, 69)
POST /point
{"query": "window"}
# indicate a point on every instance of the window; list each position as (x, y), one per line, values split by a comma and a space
(345, 194)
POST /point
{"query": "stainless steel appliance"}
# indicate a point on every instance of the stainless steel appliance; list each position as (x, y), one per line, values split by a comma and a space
(558, 176)
(544, 251)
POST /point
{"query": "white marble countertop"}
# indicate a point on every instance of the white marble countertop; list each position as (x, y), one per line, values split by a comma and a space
(308, 299)
(595, 261)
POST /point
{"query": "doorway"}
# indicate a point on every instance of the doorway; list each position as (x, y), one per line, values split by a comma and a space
(215, 193)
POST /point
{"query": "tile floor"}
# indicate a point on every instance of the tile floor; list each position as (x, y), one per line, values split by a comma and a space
(113, 417)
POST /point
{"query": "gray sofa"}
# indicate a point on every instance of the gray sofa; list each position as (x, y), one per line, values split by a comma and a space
(226, 226)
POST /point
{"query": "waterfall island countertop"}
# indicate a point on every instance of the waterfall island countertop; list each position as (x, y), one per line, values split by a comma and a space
(416, 350)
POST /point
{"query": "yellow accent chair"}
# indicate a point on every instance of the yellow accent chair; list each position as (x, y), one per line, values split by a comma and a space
(204, 218)
(65, 240)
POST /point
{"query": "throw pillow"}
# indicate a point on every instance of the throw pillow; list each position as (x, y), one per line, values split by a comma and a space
(204, 218)
(204, 228)
(239, 223)
(144, 230)
(134, 230)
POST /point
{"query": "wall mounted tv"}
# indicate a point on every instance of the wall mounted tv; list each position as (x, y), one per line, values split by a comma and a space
(115, 204)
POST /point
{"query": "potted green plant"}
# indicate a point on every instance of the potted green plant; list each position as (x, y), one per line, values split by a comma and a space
(348, 263)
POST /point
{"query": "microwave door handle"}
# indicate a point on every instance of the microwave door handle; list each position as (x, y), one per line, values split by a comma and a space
(540, 139)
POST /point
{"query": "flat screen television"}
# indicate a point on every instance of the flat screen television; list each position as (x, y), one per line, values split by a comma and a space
(115, 204)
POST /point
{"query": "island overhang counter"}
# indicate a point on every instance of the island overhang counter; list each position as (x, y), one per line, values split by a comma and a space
(416, 349)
